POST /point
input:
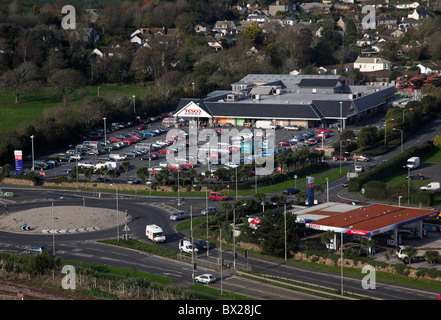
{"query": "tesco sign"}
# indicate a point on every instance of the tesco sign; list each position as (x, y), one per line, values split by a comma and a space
(193, 111)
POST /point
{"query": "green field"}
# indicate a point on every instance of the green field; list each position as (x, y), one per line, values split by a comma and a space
(33, 105)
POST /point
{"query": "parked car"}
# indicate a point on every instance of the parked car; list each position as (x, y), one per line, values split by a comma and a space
(206, 278)
(179, 215)
(436, 192)
(290, 191)
(345, 184)
(134, 181)
(210, 210)
(359, 169)
(416, 176)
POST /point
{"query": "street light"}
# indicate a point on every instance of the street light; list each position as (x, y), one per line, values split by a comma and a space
(327, 189)
(117, 211)
(399, 200)
(105, 132)
(395, 129)
(385, 131)
(32, 144)
(134, 109)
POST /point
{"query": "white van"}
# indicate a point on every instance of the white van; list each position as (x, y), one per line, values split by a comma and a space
(185, 246)
(413, 163)
(154, 233)
(264, 124)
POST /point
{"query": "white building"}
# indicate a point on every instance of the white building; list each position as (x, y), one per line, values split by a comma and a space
(367, 64)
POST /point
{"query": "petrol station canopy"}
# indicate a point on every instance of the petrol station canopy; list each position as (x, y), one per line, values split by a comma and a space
(367, 220)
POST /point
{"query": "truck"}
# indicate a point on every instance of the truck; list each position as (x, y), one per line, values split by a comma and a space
(185, 246)
(154, 233)
(264, 124)
(420, 253)
(111, 165)
(412, 163)
(431, 186)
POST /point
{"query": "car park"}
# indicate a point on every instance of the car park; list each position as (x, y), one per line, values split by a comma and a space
(179, 215)
(206, 278)
(290, 191)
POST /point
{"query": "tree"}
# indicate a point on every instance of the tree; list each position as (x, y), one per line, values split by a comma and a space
(115, 173)
(142, 173)
(66, 81)
(20, 79)
(126, 165)
(367, 136)
(432, 256)
(410, 252)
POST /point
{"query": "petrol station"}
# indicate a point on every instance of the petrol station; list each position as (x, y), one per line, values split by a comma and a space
(370, 221)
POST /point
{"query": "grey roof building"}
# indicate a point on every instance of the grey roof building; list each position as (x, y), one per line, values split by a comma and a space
(305, 100)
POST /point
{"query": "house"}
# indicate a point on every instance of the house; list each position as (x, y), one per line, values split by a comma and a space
(213, 43)
(144, 36)
(418, 14)
(202, 28)
(283, 8)
(367, 64)
(405, 23)
(284, 20)
(315, 7)
(257, 17)
(387, 21)
(104, 52)
(430, 67)
(407, 5)
(224, 27)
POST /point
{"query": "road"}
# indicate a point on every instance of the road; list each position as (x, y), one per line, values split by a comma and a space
(146, 209)
(83, 247)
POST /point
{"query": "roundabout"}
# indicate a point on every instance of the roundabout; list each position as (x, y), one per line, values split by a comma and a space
(62, 219)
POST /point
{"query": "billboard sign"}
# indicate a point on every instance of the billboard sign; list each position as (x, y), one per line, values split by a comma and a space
(18, 156)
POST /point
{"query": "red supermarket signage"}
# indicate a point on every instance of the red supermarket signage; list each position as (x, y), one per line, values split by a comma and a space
(193, 111)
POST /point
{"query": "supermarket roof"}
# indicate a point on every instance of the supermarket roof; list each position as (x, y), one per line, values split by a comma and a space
(362, 220)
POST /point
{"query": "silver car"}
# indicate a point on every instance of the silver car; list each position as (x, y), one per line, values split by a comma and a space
(179, 215)
(205, 278)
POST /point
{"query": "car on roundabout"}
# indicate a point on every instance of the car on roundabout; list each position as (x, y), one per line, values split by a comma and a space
(37, 249)
(206, 278)
(179, 215)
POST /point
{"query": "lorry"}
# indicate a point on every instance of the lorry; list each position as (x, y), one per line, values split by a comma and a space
(412, 163)
(264, 124)
(185, 246)
(111, 165)
(420, 253)
(431, 186)
(154, 233)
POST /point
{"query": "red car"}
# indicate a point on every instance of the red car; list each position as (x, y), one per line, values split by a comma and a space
(141, 127)
(217, 196)
(340, 157)
(323, 130)
(285, 143)
(165, 151)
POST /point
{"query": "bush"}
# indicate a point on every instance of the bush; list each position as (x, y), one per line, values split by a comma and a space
(375, 190)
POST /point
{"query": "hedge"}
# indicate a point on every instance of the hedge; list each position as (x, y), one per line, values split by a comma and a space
(385, 169)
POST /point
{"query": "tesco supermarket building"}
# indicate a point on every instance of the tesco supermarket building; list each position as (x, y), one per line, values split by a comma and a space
(286, 100)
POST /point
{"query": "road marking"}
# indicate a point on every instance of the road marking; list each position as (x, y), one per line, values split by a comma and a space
(83, 255)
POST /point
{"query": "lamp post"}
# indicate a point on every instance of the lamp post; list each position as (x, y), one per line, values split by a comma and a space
(401, 131)
(117, 211)
(399, 200)
(105, 132)
(32, 145)
(134, 109)
(327, 189)
(286, 251)
(341, 116)
(408, 185)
